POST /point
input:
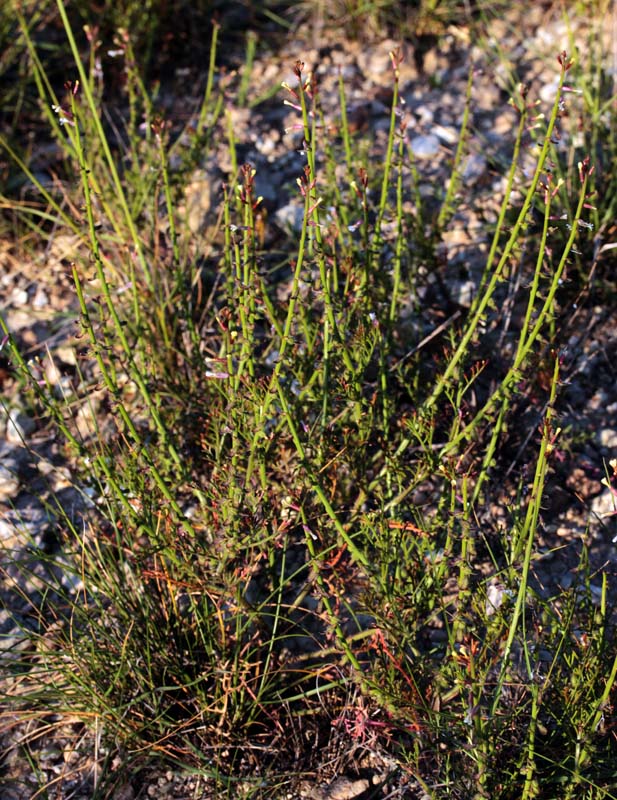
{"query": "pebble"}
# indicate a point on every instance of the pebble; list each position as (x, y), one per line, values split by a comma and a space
(347, 789)
(19, 297)
(604, 505)
(290, 216)
(446, 134)
(26, 522)
(463, 292)
(474, 167)
(9, 483)
(265, 188)
(494, 598)
(18, 319)
(608, 438)
(268, 144)
(86, 417)
(548, 91)
(505, 123)
(599, 400)
(67, 354)
(125, 792)
(198, 200)
(18, 426)
(52, 374)
(63, 247)
(59, 478)
(41, 299)
(425, 114)
(377, 64)
(8, 536)
(425, 146)
(550, 37)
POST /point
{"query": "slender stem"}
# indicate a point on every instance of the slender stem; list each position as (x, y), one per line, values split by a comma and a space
(528, 533)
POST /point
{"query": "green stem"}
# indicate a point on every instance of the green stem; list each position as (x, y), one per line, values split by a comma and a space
(528, 532)
(357, 554)
(102, 138)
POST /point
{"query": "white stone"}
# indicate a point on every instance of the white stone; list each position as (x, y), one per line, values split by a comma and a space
(494, 598)
(425, 146)
(9, 483)
(290, 216)
(608, 438)
(18, 426)
(604, 505)
(425, 114)
(67, 354)
(474, 167)
(41, 300)
(448, 135)
(19, 297)
(548, 91)
(85, 419)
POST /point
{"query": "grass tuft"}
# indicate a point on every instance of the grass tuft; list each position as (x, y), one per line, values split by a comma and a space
(288, 465)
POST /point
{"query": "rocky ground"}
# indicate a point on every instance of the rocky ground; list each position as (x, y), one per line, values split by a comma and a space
(39, 307)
